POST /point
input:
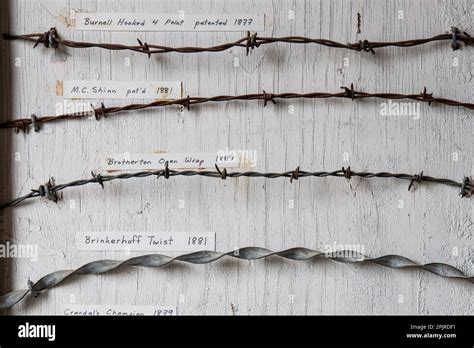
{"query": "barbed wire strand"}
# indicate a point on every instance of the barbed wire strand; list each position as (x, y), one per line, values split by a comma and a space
(249, 253)
(51, 39)
(49, 190)
(23, 124)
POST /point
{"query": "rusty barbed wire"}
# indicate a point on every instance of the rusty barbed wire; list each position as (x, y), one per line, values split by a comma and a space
(51, 39)
(24, 124)
(50, 189)
(249, 253)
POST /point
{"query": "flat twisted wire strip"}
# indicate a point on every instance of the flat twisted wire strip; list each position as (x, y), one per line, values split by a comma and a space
(249, 253)
(49, 190)
(347, 93)
(251, 41)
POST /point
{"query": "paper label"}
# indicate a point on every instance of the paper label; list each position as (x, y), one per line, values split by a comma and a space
(147, 241)
(84, 89)
(122, 310)
(169, 22)
(175, 161)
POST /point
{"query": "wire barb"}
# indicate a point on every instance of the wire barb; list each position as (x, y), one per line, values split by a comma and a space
(187, 102)
(222, 173)
(251, 42)
(47, 191)
(99, 179)
(427, 97)
(268, 97)
(467, 188)
(34, 123)
(295, 174)
(347, 172)
(21, 126)
(363, 45)
(145, 48)
(48, 39)
(417, 178)
(455, 44)
(99, 112)
(349, 92)
(31, 289)
(166, 172)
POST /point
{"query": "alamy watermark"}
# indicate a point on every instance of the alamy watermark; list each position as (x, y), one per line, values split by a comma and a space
(26, 251)
(395, 108)
(77, 108)
(348, 251)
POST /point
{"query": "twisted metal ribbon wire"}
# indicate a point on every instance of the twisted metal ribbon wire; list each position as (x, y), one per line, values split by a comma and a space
(51, 39)
(249, 253)
(50, 189)
(23, 124)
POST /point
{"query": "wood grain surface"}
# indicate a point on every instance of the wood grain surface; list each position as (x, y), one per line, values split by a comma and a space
(434, 224)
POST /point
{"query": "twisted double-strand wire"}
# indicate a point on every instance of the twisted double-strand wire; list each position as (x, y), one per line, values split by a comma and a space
(249, 253)
(51, 38)
(50, 189)
(23, 124)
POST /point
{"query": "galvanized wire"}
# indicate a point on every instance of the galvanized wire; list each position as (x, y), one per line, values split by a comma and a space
(250, 253)
(24, 124)
(50, 189)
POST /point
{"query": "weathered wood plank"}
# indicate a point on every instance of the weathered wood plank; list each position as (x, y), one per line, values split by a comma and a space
(433, 225)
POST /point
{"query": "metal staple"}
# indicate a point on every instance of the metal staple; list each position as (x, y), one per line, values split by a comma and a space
(249, 253)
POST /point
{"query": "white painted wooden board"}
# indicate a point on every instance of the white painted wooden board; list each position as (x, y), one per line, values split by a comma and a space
(433, 225)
